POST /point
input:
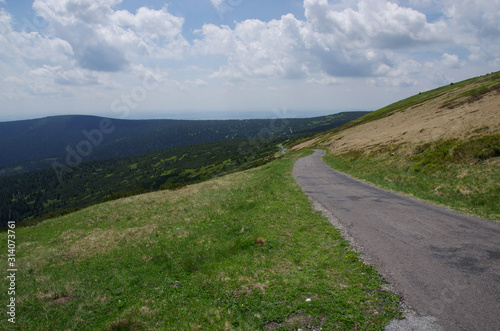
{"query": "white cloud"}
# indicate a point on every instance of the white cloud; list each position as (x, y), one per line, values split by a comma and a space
(354, 41)
(110, 40)
(41, 65)
(256, 48)
(450, 60)
(324, 80)
(216, 3)
(475, 25)
(363, 40)
(81, 42)
(30, 48)
(197, 82)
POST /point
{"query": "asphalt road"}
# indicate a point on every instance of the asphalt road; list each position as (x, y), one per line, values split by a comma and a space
(444, 264)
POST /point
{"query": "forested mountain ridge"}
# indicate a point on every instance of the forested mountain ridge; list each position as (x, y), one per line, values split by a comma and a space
(90, 171)
(37, 193)
(35, 144)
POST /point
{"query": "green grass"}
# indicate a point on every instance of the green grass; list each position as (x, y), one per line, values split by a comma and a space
(192, 259)
(463, 175)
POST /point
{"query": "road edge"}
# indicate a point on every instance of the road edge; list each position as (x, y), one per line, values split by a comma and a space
(412, 320)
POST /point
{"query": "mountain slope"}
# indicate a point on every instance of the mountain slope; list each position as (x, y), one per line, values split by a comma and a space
(34, 144)
(76, 180)
(461, 110)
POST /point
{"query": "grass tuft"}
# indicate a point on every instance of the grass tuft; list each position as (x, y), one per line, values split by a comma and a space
(126, 324)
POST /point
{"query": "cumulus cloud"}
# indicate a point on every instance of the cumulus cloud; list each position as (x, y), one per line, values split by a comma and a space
(358, 40)
(377, 23)
(256, 48)
(106, 39)
(378, 39)
(397, 43)
(34, 64)
(30, 47)
(450, 60)
(80, 43)
(475, 26)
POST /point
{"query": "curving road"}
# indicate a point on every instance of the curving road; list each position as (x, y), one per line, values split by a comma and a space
(444, 264)
(283, 149)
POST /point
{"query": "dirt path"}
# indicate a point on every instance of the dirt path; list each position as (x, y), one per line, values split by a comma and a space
(445, 265)
(283, 149)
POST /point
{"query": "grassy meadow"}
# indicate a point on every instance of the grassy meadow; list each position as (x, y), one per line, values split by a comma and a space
(242, 252)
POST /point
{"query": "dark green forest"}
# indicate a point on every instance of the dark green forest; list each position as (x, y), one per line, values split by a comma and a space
(37, 193)
(36, 144)
(76, 180)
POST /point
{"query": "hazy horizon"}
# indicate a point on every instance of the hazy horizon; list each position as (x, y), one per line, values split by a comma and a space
(204, 116)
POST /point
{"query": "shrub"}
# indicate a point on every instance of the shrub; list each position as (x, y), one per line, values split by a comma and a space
(477, 149)
(429, 158)
(432, 158)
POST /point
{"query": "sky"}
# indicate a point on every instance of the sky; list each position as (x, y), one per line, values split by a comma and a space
(215, 59)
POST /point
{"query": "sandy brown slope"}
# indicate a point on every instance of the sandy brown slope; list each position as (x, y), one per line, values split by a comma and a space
(447, 116)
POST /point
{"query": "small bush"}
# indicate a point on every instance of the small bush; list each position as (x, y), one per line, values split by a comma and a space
(419, 149)
(432, 158)
(353, 155)
(260, 242)
(429, 158)
(477, 149)
(173, 186)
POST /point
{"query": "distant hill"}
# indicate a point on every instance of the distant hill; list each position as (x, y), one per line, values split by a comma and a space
(35, 144)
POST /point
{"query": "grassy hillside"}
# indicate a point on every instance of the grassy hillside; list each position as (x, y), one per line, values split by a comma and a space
(442, 146)
(242, 252)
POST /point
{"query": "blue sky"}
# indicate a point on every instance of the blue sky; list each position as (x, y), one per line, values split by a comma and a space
(235, 58)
